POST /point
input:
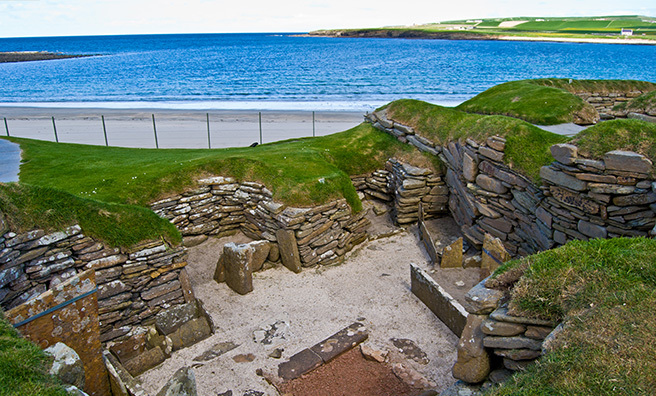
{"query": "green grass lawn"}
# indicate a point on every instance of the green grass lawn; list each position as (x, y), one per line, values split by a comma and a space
(23, 366)
(107, 189)
(605, 291)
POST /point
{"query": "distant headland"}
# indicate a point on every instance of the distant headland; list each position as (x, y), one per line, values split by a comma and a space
(28, 56)
(633, 29)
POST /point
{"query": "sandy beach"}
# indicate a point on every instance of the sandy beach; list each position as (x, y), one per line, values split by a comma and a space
(175, 128)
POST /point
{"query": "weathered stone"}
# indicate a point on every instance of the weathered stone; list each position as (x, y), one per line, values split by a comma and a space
(299, 364)
(160, 290)
(340, 342)
(373, 353)
(410, 376)
(490, 184)
(219, 271)
(518, 354)
(289, 250)
(469, 167)
(260, 254)
(494, 254)
(183, 383)
(538, 332)
(76, 325)
(473, 363)
(603, 188)
(590, 165)
(496, 142)
(238, 272)
(274, 253)
(505, 329)
(145, 361)
(562, 179)
(67, 365)
(480, 300)
(635, 199)
(575, 200)
(544, 216)
(491, 154)
(170, 320)
(190, 333)
(185, 285)
(595, 178)
(112, 288)
(627, 161)
(592, 230)
(452, 255)
(565, 153)
(501, 315)
(512, 343)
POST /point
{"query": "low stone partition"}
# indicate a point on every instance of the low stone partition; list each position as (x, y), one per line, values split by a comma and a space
(133, 284)
(221, 206)
(405, 187)
(579, 198)
(604, 102)
(494, 341)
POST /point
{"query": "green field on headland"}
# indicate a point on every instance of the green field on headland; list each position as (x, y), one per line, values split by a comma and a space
(609, 28)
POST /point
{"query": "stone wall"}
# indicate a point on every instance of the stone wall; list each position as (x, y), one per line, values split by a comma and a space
(604, 102)
(405, 187)
(133, 284)
(578, 199)
(494, 340)
(221, 206)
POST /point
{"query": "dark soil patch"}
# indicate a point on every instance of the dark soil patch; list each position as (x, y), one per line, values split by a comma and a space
(347, 375)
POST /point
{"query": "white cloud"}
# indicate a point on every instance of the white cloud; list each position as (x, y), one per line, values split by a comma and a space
(81, 17)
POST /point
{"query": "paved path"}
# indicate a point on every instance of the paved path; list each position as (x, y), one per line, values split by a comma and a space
(9, 161)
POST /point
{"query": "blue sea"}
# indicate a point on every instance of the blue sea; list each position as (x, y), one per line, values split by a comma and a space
(291, 72)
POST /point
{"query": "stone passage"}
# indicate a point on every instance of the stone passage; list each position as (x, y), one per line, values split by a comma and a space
(579, 198)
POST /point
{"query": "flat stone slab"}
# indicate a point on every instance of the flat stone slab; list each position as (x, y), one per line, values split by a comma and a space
(501, 315)
(323, 352)
(299, 364)
(340, 342)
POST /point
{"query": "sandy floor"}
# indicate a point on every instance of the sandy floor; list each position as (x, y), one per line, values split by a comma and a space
(372, 286)
(175, 128)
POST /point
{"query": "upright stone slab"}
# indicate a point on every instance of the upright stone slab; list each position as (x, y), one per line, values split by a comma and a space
(452, 255)
(237, 262)
(73, 322)
(494, 254)
(289, 250)
(473, 364)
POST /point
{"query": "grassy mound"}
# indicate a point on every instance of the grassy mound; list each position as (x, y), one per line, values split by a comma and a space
(643, 104)
(548, 101)
(532, 102)
(605, 291)
(527, 147)
(620, 134)
(106, 189)
(23, 366)
(29, 207)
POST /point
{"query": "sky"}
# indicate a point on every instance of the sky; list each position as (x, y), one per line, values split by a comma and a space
(33, 18)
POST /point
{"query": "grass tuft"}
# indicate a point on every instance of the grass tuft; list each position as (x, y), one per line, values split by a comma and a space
(605, 291)
(23, 366)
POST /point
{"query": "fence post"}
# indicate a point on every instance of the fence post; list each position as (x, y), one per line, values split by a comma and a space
(54, 127)
(155, 130)
(209, 142)
(313, 129)
(104, 129)
(6, 127)
(260, 115)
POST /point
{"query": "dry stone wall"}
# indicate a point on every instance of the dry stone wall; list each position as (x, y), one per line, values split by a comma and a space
(133, 284)
(579, 198)
(221, 205)
(604, 102)
(494, 340)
